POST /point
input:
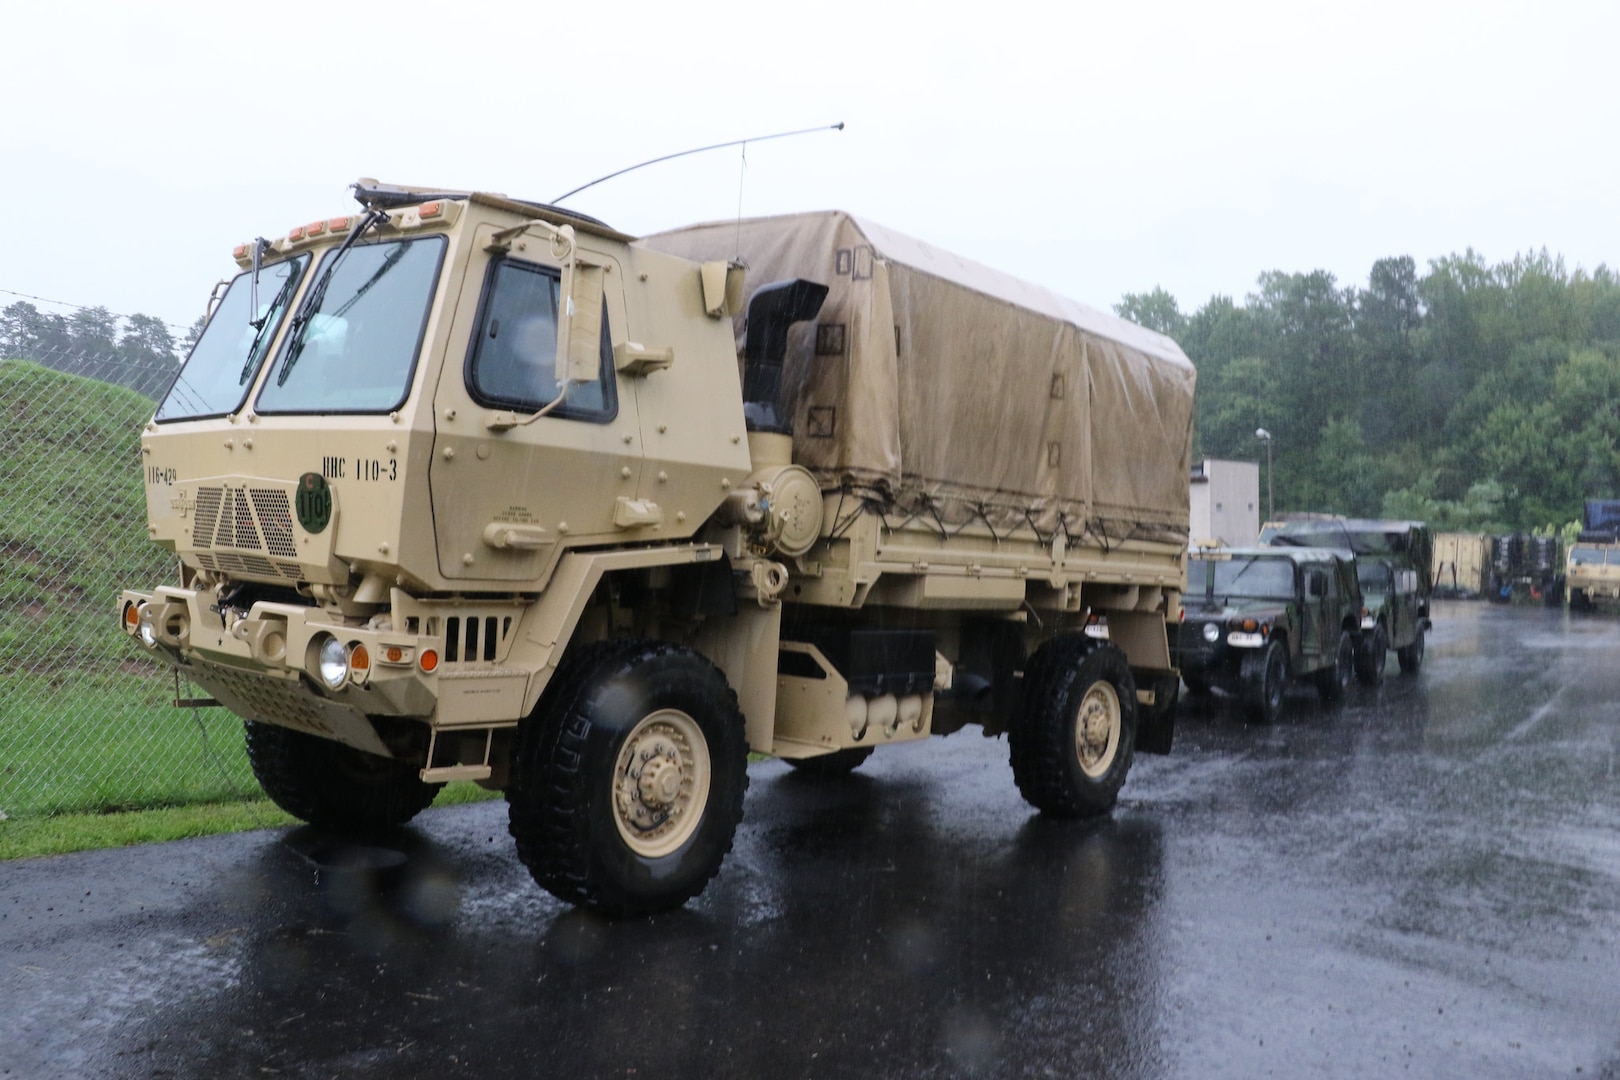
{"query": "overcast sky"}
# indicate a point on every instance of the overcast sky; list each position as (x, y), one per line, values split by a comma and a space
(1097, 149)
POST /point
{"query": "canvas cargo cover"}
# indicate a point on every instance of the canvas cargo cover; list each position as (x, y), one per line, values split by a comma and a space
(953, 392)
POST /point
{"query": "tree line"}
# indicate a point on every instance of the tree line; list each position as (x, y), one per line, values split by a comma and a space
(1474, 396)
(90, 333)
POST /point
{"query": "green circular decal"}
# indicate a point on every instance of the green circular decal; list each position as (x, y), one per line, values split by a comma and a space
(314, 502)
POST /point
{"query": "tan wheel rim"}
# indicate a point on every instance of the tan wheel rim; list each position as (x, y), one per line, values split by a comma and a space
(661, 783)
(1096, 729)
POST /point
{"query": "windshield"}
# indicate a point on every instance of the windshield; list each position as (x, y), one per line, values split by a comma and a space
(1259, 579)
(1374, 577)
(1586, 555)
(354, 349)
(222, 365)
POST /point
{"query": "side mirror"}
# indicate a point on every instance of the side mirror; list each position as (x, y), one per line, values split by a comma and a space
(722, 288)
(579, 317)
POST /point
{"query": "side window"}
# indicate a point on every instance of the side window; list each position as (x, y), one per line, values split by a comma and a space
(512, 363)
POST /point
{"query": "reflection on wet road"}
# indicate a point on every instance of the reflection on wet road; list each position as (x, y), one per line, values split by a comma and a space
(1425, 881)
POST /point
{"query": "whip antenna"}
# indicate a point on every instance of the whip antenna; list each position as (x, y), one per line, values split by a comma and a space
(697, 150)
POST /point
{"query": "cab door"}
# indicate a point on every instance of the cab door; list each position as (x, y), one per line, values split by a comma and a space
(511, 491)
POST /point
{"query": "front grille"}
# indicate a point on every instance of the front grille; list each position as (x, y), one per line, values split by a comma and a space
(473, 640)
(254, 522)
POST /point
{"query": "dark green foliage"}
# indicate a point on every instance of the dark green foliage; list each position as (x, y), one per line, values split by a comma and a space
(1476, 396)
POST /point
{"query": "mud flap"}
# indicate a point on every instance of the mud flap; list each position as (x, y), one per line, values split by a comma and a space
(1156, 723)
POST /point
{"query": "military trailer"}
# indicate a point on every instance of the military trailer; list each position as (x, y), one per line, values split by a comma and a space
(465, 487)
(1258, 618)
(1395, 567)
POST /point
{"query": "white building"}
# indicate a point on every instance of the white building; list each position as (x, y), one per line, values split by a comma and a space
(1225, 497)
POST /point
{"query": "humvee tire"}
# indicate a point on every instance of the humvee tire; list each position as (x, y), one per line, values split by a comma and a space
(1411, 657)
(1263, 678)
(628, 779)
(833, 765)
(1332, 682)
(332, 785)
(1373, 657)
(1071, 747)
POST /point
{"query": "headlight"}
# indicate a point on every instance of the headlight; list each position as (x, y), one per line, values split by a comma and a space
(147, 633)
(1211, 632)
(332, 663)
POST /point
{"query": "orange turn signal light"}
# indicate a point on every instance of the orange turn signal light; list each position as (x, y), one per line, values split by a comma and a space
(359, 658)
(132, 617)
(429, 660)
(394, 654)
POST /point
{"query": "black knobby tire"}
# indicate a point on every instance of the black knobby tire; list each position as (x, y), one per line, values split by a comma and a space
(833, 765)
(330, 784)
(1411, 657)
(1372, 657)
(1263, 679)
(629, 777)
(1332, 682)
(1072, 744)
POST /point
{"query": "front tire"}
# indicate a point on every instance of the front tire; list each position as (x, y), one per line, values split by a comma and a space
(629, 778)
(1373, 657)
(331, 784)
(1331, 683)
(1411, 657)
(1263, 678)
(1072, 745)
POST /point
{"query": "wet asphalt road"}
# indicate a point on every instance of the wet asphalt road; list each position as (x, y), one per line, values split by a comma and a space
(1424, 882)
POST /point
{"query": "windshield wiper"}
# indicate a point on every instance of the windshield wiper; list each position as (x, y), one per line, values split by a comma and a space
(259, 325)
(317, 291)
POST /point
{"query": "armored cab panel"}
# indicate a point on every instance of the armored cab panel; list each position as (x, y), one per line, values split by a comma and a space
(957, 393)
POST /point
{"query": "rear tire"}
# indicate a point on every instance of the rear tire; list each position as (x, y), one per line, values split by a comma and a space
(629, 777)
(1072, 745)
(1372, 657)
(1331, 683)
(830, 766)
(1411, 657)
(331, 784)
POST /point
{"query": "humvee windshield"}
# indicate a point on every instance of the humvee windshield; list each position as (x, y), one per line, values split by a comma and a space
(1258, 579)
(353, 347)
(222, 365)
(1374, 577)
(1586, 555)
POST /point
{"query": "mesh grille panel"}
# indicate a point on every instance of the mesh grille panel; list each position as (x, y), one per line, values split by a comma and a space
(202, 533)
(275, 521)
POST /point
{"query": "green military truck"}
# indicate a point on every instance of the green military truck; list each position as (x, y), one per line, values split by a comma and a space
(1394, 562)
(1258, 618)
(467, 487)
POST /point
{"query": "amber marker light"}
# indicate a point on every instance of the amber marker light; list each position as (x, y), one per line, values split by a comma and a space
(394, 654)
(429, 660)
(296, 234)
(359, 658)
(315, 228)
(132, 618)
(339, 224)
(432, 209)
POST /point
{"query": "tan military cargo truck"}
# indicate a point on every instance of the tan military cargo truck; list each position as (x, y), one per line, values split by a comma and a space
(465, 487)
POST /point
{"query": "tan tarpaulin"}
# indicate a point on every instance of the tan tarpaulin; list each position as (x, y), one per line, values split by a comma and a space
(957, 392)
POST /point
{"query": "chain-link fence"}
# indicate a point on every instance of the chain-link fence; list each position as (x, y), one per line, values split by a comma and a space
(87, 722)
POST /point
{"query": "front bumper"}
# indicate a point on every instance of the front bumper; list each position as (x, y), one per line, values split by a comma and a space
(265, 665)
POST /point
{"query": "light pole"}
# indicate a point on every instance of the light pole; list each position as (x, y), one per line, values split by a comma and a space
(1265, 436)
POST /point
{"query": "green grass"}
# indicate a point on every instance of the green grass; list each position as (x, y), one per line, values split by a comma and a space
(60, 834)
(86, 720)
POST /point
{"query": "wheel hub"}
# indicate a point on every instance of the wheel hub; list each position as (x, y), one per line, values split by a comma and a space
(1096, 729)
(661, 783)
